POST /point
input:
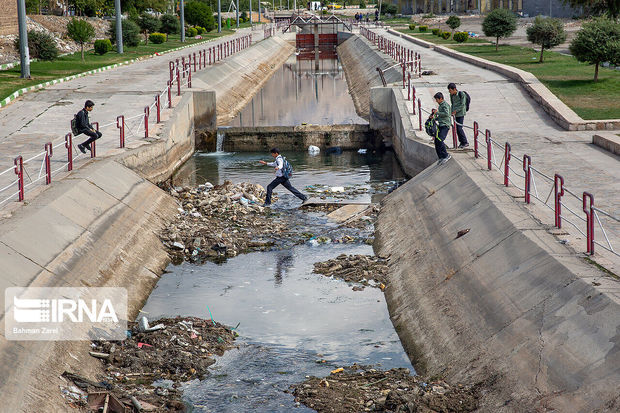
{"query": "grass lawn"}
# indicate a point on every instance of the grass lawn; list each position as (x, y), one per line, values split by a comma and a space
(430, 37)
(72, 64)
(569, 80)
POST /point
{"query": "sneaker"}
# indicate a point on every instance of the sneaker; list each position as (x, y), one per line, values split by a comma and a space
(463, 145)
(304, 199)
(87, 147)
(444, 160)
(81, 148)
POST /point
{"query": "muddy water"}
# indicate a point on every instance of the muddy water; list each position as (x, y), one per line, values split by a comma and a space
(291, 322)
(297, 93)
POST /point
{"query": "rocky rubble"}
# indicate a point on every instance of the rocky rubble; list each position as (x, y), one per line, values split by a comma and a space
(361, 389)
(221, 221)
(362, 269)
(150, 366)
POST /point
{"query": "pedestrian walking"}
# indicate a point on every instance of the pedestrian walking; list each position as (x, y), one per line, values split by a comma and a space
(459, 109)
(442, 116)
(83, 126)
(283, 171)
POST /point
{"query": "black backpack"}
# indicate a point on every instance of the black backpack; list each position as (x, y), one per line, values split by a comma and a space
(467, 101)
(74, 128)
(431, 127)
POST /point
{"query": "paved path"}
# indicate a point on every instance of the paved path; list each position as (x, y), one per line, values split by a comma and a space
(502, 106)
(38, 117)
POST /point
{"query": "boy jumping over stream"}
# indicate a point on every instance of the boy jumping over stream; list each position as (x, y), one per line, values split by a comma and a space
(282, 176)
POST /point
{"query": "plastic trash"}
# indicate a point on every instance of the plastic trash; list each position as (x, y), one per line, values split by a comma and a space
(313, 149)
(178, 246)
(362, 151)
(143, 324)
(338, 370)
(244, 201)
(337, 189)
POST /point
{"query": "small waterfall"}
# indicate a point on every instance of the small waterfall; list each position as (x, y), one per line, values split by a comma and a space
(220, 140)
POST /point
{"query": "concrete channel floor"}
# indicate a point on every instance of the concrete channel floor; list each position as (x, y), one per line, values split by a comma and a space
(43, 116)
(504, 107)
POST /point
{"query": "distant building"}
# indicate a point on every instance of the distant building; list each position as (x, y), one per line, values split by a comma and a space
(530, 7)
(8, 17)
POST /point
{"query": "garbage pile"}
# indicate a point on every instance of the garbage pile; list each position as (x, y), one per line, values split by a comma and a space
(363, 389)
(147, 368)
(349, 191)
(367, 270)
(220, 221)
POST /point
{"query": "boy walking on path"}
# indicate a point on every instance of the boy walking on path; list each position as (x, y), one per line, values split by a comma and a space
(459, 109)
(442, 116)
(83, 126)
(281, 178)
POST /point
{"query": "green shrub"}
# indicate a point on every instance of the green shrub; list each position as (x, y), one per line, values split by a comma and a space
(200, 30)
(170, 24)
(41, 45)
(435, 32)
(412, 26)
(192, 32)
(103, 46)
(446, 35)
(157, 38)
(453, 22)
(423, 28)
(388, 8)
(460, 37)
(362, 4)
(243, 16)
(131, 33)
(80, 31)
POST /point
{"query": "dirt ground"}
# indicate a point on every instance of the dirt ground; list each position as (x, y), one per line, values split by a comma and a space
(362, 389)
(149, 366)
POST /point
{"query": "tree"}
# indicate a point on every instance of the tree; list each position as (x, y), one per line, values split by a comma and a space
(546, 32)
(610, 7)
(499, 23)
(199, 14)
(597, 41)
(148, 24)
(80, 31)
(169, 24)
(131, 33)
(453, 22)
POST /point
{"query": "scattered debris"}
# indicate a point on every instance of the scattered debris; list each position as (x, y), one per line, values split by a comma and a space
(147, 368)
(363, 269)
(359, 389)
(461, 233)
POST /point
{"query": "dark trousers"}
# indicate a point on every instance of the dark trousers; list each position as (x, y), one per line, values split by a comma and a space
(285, 183)
(440, 146)
(459, 130)
(92, 136)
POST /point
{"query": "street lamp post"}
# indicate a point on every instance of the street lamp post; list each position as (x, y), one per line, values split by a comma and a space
(182, 21)
(24, 54)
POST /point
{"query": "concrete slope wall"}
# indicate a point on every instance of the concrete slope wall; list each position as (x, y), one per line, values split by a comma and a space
(360, 60)
(97, 227)
(239, 77)
(505, 302)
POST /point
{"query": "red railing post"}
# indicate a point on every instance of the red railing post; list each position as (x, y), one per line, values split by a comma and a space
(147, 113)
(171, 67)
(413, 97)
(527, 169)
(19, 171)
(93, 144)
(178, 83)
(183, 65)
(120, 124)
(454, 135)
(403, 65)
(589, 210)
(420, 113)
(487, 139)
(476, 130)
(169, 94)
(204, 58)
(69, 147)
(409, 87)
(158, 106)
(48, 165)
(506, 163)
(558, 187)
(189, 76)
(194, 59)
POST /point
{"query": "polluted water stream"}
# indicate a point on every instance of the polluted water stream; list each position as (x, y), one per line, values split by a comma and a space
(292, 323)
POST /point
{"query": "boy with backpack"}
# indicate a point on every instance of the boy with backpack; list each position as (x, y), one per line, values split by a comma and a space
(284, 171)
(460, 106)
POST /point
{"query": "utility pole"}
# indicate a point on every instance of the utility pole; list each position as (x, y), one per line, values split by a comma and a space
(251, 19)
(182, 21)
(219, 16)
(119, 26)
(259, 11)
(237, 10)
(24, 54)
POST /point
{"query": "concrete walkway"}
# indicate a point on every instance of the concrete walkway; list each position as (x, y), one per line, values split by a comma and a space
(43, 116)
(502, 106)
